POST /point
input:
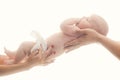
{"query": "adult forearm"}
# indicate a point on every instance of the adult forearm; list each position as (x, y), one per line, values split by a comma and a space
(10, 69)
(111, 45)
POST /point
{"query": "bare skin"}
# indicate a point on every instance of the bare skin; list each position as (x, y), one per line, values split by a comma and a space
(93, 36)
(60, 38)
(70, 29)
(31, 61)
(23, 50)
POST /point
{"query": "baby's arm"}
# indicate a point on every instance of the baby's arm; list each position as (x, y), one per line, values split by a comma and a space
(69, 26)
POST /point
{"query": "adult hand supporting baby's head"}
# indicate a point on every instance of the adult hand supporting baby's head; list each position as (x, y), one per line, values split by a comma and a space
(89, 36)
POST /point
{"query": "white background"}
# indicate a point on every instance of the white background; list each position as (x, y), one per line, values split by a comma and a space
(92, 62)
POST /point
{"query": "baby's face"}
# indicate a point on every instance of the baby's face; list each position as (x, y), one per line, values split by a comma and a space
(87, 22)
(94, 22)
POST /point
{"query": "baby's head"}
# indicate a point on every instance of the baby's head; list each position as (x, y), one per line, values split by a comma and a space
(95, 22)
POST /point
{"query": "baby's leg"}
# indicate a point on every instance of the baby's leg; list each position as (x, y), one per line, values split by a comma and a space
(16, 55)
(10, 54)
(20, 55)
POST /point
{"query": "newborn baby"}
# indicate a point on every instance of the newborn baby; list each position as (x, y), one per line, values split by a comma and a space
(69, 31)
(70, 28)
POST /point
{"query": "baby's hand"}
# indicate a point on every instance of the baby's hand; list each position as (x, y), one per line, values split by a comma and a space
(76, 31)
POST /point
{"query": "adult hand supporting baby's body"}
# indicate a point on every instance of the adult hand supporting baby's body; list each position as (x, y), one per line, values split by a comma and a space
(31, 61)
(89, 36)
(40, 52)
(40, 57)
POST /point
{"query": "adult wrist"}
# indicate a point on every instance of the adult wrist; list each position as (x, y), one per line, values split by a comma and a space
(99, 38)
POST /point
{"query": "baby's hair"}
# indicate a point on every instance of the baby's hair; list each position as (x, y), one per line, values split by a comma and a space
(101, 25)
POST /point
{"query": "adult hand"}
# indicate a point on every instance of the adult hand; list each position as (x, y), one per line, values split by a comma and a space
(33, 60)
(88, 36)
(40, 57)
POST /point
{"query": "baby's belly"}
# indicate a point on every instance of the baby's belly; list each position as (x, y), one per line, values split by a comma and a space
(58, 40)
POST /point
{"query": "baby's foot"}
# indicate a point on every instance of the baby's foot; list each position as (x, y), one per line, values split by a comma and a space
(10, 54)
